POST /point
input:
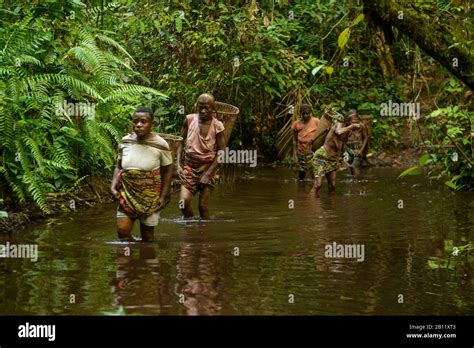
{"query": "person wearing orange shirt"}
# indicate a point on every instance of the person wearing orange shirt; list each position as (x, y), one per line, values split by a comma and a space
(304, 131)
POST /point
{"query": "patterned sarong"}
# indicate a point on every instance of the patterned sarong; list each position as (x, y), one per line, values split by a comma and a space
(322, 163)
(192, 174)
(139, 191)
(304, 161)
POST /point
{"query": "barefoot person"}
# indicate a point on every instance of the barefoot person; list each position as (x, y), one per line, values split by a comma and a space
(304, 131)
(326, 160)
(204, 136)
(356, 143)
(142, 177)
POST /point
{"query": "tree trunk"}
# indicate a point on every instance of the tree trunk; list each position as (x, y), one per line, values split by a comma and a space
(384, 55)
(429, 33)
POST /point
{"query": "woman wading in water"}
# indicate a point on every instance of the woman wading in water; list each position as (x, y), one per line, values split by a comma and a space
(142, 177)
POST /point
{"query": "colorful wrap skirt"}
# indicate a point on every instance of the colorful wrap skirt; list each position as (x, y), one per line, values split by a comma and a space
(139, 191)
(304, 161)
(322, 163)
(192, 173)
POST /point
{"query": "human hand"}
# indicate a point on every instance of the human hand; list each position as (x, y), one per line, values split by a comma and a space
(115, 193)
(179, 169)
(161, 203)
(205, 179)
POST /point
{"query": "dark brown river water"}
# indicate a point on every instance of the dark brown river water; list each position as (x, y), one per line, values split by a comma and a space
(281, 267)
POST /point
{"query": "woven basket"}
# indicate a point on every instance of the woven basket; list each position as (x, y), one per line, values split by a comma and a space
(320, 136)
(172, 141)
(367, 120)
(227, 114)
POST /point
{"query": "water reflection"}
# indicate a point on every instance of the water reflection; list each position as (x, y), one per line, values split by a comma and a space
(281, 232)
(197, 274)
(141, 284)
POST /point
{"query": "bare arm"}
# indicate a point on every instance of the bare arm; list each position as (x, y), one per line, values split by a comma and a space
(340, 129)
(115, 179)
(166, 173)
(179, 150)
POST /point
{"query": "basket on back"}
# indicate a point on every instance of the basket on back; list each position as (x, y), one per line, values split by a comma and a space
(325, 123)
(172, 141)
(367, 121)
(227, 114)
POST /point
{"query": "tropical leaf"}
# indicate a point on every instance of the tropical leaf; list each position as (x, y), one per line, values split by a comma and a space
(343, 37)
(358, 19)
(411, 171)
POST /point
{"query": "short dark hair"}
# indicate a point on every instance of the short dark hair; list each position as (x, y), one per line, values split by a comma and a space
(350, 114)
(145, 109)
(306, 107)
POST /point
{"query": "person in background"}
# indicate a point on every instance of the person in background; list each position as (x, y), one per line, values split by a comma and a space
(326, 159)
(356, 145)
(304, 131)
(204, 137)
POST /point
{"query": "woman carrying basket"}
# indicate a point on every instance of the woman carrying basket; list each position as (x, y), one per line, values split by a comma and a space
(142, 177)
(204, 136)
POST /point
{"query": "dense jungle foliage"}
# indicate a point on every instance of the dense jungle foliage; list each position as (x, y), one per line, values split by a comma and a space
(266, 57)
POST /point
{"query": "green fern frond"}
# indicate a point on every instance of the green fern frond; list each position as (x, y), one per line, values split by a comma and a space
(23, 156)
(24, 58)
(115, 44)
(37, 193)
(65, 81)
(100, 144)
(15, 187)
(93, 12)
(57, 165)
(61, 155)
(77, 183)
(5, 71)
(129, 90)
(86, 57)
(35, 151)
(86, 37)
(7, 123)
(112, 130)
(118, 61)
(17, 37)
